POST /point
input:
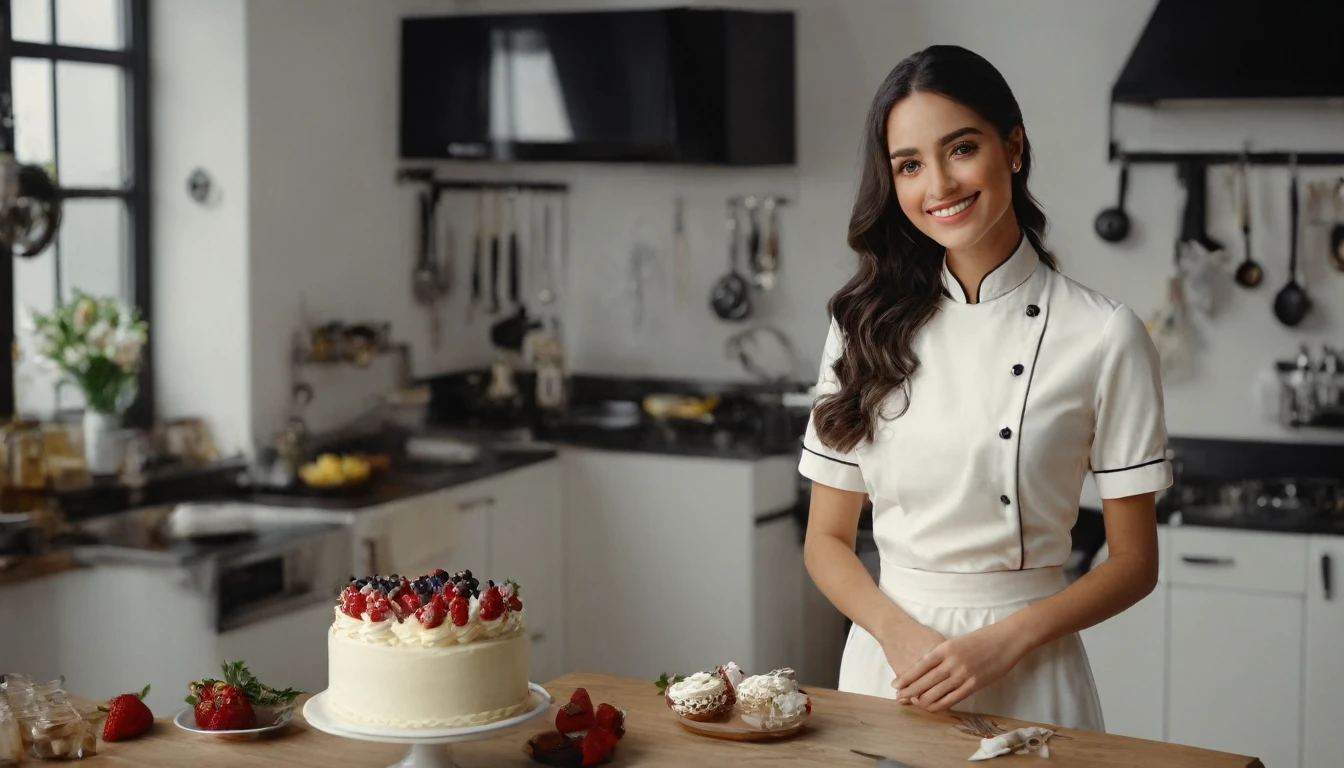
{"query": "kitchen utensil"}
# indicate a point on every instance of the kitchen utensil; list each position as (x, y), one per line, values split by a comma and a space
(1337, 246)
(882, 762)
(495, 233)
(1194, 174)
(1292, 303)
(515, 255)
(731, 297)
(543, 255)
(477, 254)
(1112, 224)
(509, 333)
(426, 277)
(1249, 273)
(768, 275)
(753, 234)
(680, 263)
(1337, 230)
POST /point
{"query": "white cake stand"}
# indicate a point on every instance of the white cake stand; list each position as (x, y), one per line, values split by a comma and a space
(430, 747)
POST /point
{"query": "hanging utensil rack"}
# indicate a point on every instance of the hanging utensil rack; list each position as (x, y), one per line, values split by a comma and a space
(426, 176)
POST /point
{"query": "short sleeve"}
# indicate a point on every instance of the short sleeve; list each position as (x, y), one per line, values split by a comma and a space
(819, 463)
(1129, 444)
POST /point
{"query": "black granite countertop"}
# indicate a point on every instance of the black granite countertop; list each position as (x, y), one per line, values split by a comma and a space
(405, 479)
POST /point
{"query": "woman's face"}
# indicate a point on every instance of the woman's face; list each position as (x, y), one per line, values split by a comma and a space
(952, 172)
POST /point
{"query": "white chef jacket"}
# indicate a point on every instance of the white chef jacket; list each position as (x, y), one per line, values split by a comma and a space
(1016, 398)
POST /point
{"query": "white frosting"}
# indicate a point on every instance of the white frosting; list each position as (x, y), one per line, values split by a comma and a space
(410, 632)
(734, 674)
(698, 685)
(791, 705)
(758, 687)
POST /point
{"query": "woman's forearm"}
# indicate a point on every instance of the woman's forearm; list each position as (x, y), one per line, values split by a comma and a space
(1108, 589)
(842, 578)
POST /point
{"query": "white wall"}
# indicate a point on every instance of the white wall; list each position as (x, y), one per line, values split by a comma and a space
(328, 226)
(203, 364)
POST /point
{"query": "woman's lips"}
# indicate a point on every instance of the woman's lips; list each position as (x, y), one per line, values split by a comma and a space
(954, 212)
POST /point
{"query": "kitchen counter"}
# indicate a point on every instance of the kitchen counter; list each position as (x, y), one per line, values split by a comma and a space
(840, 722)
(406, 478)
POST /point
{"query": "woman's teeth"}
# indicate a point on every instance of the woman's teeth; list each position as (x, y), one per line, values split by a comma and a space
(943, 213)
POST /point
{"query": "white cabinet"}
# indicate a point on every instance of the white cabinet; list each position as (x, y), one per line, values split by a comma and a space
(667, 569)
(1129, 662)
(510, 526)
(526, 535)
(1235, 677)
(1323, 734)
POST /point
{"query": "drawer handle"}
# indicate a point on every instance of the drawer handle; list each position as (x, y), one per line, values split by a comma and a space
(467, 506)
(537, 637)
(1204, 560)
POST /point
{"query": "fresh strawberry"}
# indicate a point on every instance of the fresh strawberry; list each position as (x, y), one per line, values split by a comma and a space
(598, 745)
(127, 716)
(573, 718)
(581, 697)
(610, 718)
(431, 616)
(513, 595)
(222, 707)
(492, 604)
(352, 602)
(407, 602)
(378, 607)
(459, 610)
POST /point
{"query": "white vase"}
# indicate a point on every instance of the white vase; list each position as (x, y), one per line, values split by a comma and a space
(102, 442)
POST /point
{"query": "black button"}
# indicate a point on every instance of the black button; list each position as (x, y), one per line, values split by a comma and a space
(1005, 433)
(1033, 310)
(1018, 369)
(1004, 499)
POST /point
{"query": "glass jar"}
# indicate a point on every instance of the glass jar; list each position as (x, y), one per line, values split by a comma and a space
(59, 732)
(11, 740)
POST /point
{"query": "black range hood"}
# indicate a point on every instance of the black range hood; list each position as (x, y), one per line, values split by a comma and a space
(670, 85)
(1236, 49)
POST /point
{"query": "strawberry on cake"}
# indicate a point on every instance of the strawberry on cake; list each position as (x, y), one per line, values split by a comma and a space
(440, 651)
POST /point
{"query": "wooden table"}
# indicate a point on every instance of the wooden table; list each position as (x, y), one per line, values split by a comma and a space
(839, 722)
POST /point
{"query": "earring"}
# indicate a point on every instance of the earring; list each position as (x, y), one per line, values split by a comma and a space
(1017, 166)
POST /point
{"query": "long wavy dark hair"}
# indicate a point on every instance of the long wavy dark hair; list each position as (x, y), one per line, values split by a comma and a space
(896, 288)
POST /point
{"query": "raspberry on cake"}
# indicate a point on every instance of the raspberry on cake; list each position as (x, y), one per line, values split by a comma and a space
(432, 652)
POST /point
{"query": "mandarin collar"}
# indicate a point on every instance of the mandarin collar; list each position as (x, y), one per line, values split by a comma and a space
(999, 281)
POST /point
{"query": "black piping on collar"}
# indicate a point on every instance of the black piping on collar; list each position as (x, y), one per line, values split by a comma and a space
(1020, 234)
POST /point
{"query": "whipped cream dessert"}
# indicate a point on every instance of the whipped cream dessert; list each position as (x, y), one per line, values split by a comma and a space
(703, 696)
(439, 651)
(772, 700)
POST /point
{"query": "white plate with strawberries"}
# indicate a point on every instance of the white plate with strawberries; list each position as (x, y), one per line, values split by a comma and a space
(186, 720)
(238, 708)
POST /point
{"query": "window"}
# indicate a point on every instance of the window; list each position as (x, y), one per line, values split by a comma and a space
(77, 87)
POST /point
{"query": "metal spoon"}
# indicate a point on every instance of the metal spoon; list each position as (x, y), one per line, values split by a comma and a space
(1249, 273)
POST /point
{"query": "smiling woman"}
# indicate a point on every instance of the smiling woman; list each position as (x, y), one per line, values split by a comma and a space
(967, 388)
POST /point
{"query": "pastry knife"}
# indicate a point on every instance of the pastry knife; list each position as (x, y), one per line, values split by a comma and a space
(883, 762)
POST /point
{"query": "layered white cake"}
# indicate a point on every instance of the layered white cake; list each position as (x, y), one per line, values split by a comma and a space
(441, 651)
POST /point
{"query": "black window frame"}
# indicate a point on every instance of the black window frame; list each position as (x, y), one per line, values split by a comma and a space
(133, 59)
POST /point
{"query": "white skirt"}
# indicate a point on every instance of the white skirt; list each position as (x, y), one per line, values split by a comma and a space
(1052, 685)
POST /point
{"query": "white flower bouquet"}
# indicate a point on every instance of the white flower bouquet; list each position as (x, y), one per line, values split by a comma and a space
(98, 344)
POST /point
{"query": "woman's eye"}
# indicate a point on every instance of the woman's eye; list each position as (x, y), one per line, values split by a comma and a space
(909, 166)
(964, 148)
